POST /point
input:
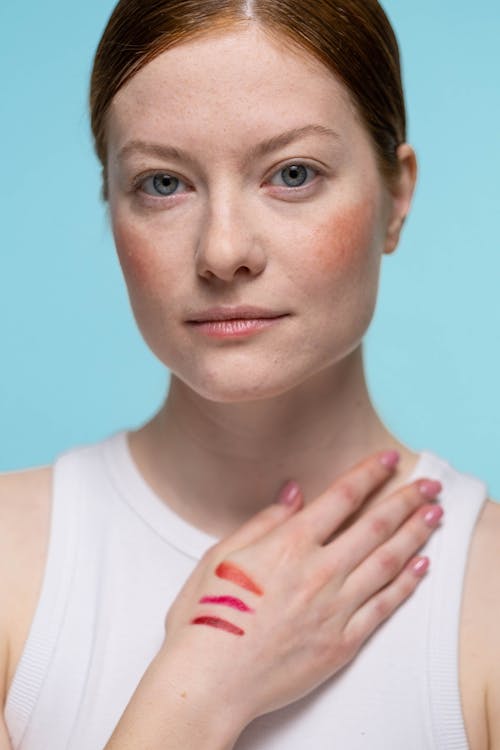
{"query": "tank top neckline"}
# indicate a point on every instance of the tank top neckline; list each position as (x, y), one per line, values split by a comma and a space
(155, 511)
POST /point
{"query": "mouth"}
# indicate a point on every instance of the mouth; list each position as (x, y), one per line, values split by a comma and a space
(234, 323)
(235, 314)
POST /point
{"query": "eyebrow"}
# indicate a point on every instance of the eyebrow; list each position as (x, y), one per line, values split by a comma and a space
(260, 149)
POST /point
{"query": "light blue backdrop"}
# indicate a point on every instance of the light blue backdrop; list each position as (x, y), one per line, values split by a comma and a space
(73, 365)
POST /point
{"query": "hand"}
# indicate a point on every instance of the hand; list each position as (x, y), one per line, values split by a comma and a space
(277, 607)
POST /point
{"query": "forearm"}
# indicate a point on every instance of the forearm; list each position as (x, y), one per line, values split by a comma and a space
(171, 711)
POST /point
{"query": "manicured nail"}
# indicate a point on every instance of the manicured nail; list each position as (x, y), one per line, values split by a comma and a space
(390, 459)
(289, 493)
(433, 516)
(419, 565)
(429, 488)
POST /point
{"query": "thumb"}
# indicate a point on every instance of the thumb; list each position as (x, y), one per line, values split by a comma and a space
(288, 502)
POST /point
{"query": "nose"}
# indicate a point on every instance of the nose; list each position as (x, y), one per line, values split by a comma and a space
(227, 244)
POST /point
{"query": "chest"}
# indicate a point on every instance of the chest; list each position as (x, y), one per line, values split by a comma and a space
(406, 688)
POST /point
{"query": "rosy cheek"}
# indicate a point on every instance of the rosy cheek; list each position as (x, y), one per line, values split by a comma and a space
(136, 256)
(344, 240)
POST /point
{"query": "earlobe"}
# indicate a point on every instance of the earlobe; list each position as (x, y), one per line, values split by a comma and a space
(401, 195)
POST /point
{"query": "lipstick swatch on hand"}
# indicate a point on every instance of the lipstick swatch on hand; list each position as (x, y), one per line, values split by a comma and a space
(232, 572)
(228, 601)
(217, 622)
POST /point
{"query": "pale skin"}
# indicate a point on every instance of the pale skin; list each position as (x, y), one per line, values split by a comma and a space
(288, 403)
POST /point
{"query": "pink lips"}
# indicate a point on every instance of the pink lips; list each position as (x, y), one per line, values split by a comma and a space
(234, 322)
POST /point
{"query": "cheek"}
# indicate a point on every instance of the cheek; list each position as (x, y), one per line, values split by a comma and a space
(345, 240)
(138, 258)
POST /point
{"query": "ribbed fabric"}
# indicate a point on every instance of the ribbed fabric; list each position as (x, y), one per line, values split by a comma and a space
(118, 557)
(445, 603)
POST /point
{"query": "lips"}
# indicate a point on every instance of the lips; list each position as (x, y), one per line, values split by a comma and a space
(247, 312)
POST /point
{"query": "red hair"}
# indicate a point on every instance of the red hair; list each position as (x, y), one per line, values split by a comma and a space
(353, 38)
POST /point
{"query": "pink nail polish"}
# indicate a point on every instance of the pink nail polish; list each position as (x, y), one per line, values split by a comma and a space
(429, 488)
(289, 493)
(419, 565)
(433, 516)
(390, 459)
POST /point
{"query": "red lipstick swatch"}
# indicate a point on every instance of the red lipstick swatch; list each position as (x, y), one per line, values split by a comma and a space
(228, 601)
(216, 622)
(231, 572)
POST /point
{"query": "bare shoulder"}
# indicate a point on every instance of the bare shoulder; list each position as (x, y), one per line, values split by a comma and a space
(480, 634)
(25, 502)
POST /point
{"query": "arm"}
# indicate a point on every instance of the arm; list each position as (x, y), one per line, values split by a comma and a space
(4, 739)
(489, 591)
(480, 634)
(172, 711)
(24, 526)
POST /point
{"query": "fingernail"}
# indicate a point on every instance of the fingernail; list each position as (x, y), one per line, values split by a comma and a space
(390, 459)
(289, 493)
(433, 516)
(429, 488)
(419, 565)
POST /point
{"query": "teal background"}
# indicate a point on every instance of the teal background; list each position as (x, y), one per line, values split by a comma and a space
(74, 367)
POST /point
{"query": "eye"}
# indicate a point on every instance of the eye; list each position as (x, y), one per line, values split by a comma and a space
(161, 184)
(294, 175)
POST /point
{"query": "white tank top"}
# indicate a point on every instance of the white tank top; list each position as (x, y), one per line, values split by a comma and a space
(117, 558)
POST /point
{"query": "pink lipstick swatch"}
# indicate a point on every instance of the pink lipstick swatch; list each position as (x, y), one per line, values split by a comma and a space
(231, 572)
(228, 601)
(216, 622)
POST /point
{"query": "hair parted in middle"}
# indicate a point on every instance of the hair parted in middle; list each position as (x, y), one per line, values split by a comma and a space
(353, 38)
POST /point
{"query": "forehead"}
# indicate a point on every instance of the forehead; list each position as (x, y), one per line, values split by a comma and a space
(227, 87)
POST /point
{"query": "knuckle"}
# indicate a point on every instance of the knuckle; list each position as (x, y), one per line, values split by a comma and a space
(296, 534)
(350, 643)
(380, 526)
(387, 562)
(324, 572)
(382, 607)
(347, 495)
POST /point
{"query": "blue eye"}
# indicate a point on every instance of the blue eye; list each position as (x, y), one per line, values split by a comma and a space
(161, 184)
(294, 175)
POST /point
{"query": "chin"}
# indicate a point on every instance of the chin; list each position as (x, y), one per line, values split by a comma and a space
(237, 392)
(231, 386)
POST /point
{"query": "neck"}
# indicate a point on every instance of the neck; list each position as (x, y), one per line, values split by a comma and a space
(216, 464)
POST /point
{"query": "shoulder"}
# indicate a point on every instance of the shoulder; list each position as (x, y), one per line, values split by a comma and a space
(480, 618)
(25, 502)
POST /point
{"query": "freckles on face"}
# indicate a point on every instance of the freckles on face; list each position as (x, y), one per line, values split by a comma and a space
(315, 254)
(140, 255)
(137, 263)
(341, 241)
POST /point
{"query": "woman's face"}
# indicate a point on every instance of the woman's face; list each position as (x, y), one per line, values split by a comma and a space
(239, 174)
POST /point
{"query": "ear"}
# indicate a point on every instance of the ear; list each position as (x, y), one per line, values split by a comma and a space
(401, 194)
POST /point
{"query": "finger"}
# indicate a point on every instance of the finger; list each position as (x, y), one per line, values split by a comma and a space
(378, 525)
(382, 605)
(387, 561)
(289, 501)
(325, 514)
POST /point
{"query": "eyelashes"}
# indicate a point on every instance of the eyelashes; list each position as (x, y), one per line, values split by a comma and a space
(164, 185)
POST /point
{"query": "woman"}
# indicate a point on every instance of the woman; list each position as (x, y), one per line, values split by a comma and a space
(256, 169)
